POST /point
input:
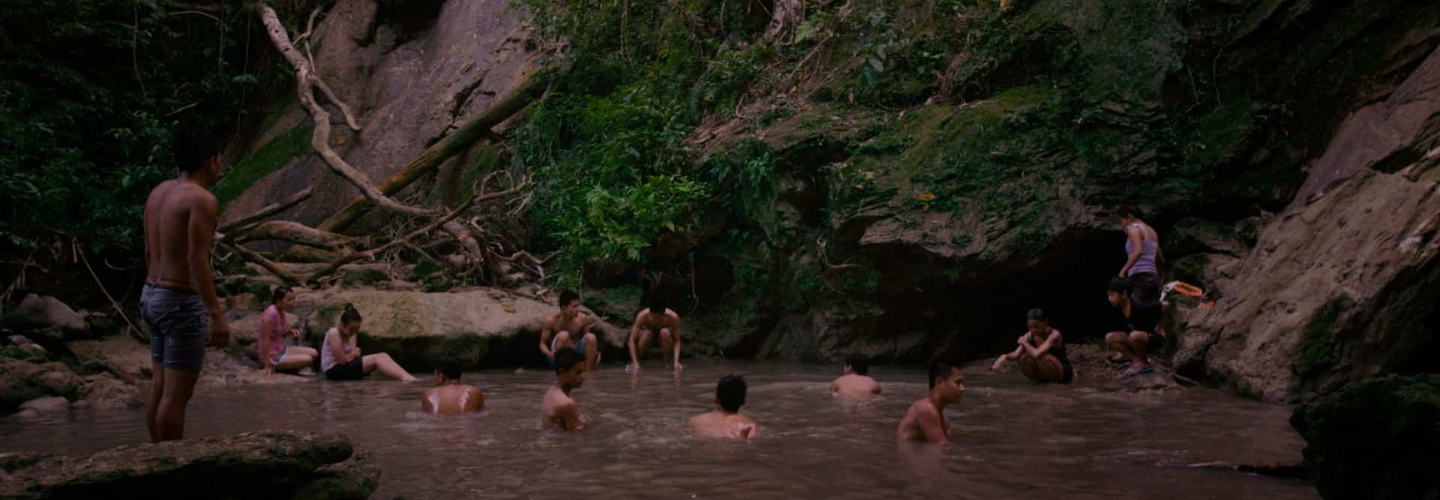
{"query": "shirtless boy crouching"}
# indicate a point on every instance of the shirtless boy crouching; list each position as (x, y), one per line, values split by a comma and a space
(655, 321)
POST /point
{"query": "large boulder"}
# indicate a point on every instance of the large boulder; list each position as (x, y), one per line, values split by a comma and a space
(1374, 439)
(41, 312)
(21, 381)
(120, 355)
(479, 326)
(248, 465)
(105, 392)
(1341, 286)
(48, 404)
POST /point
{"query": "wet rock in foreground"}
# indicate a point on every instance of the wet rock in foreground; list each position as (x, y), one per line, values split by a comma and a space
(1374, 439)
(252, 465)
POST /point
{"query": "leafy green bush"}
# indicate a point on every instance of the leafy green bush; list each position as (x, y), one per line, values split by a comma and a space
(92, 95)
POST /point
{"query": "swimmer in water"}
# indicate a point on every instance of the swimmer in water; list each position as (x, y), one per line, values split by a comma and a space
(558, 410)
(449, 396)
(726, 421)
(855, 383)
(925, 421)
(1041, 354)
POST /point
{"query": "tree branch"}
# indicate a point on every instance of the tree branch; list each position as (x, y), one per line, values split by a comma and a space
(429, 228)
(294, 233)
(304, 82)
(268, 210)
(269, 265)
(459, 140)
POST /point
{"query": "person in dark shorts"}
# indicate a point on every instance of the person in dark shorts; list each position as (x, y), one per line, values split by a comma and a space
(1041, 354)
(178, 303)
(1142, 337)
(1144, 258)
(340, 357)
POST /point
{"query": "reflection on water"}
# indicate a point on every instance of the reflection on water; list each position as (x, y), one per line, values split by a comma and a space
(1011, 439)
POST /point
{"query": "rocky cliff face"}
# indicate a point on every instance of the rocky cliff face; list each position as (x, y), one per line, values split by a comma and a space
(1285, 149)
(1344, 283)
(411, 71)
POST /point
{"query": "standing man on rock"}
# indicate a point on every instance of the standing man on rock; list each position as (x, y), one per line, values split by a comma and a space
(657, 320)
(570, 328)
(178, 303)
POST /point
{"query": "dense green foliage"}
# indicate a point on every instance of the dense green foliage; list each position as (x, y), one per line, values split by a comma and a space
(92, 95)
(608, 145)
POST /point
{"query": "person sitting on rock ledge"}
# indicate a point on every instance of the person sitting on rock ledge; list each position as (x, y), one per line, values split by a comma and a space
(570, 328)
(1041, 354)
(726, 421)
(449, 396)
(1140, 338)
(557, 408)
(855, 383)
(340, 357)
(275, 354)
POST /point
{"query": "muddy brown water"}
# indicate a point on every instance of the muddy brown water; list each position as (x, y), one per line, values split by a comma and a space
(1011, 439)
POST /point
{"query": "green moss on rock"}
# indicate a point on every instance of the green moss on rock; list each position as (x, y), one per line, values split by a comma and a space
(1374, 439)
(273, 156)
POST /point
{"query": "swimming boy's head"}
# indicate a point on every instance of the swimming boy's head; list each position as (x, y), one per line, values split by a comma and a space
(1118, 291)
(657, 307)
(569, 303)
(350, 320)
(569, 367)
(1036, 321)
(730, 393)
(857, 364)
(947, 381)
(447, 368)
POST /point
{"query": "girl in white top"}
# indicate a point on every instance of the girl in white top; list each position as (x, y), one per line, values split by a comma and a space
(340, 358)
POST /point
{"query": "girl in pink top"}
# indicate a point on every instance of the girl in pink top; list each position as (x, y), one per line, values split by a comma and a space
(275, 352)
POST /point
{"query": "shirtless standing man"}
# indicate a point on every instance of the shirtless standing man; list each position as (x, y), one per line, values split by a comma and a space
(178, 303)
(449, 396)
(570, 328)
(925, 421)
(855, 383)
(656, 320)
(557, 409)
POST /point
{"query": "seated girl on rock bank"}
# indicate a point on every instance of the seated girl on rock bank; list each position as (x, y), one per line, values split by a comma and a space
(275, 353)
(340, 357)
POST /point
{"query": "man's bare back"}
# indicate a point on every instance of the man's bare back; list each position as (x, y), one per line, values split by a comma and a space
(854, 386)
(718, 424)
(180, 216)
(920, 418)
(558, 411)
(453, 399)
